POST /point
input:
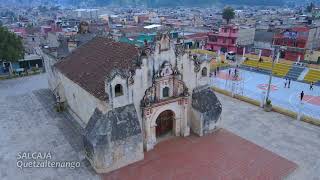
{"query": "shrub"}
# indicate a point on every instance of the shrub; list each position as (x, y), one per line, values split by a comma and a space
(268, 102)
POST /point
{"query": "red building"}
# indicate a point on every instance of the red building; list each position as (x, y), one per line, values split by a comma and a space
(224, 40)
(295, 41)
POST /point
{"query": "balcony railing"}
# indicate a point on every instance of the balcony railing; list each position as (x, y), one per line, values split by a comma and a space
(299, 38)
(222, 34)
(220, 43)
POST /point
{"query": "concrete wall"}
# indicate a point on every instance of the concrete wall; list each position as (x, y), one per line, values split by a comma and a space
(262, 45)
(245, 36)
(313, 38)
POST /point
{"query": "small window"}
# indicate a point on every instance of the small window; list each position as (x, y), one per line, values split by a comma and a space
(204, 72)
(165, 92)
(118, 90)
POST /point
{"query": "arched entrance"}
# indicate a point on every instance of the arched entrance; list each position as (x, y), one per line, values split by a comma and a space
(164, 123)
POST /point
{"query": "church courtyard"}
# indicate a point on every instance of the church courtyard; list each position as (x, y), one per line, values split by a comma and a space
(257, 143)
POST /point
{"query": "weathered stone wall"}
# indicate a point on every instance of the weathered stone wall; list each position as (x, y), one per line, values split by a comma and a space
(113, 139)
(119, 154)
(196, 122)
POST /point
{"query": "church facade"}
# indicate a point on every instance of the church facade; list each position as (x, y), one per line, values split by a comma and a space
(127, 99)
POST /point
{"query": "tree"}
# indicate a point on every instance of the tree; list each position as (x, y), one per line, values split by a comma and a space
(11, 48)
(228, 14)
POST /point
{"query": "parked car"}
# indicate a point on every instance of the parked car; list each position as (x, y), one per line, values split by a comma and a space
(299, 64)
(231, 56)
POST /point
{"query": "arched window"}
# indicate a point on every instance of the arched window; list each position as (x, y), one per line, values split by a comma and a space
(204, 72)
(118, 90)
(165, 92)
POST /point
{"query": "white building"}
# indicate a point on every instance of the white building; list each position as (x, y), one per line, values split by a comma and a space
(127, 99)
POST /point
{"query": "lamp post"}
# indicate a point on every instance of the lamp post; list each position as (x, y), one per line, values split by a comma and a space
(275, 52)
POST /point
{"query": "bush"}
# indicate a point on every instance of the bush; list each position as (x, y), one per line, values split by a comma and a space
(268, 102)
(34, 69)
(59, 107)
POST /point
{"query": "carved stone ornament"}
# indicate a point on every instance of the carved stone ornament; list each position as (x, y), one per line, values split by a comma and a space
(179, 50)
(185, 90)
(196, 63)
(131, 79)
(166, 69)
(149, 97)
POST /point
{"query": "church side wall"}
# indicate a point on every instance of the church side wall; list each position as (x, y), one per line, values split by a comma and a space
(79, 100)
(194, 79)
(142, 81)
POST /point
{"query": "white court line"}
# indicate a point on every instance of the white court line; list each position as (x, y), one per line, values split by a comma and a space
(295, 106)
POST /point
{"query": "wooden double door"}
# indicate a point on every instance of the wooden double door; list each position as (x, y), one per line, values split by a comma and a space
(164, 123)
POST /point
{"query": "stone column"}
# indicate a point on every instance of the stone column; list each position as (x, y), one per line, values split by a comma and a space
(149, 135)
(185, 128)
(177, 127)
(145, 73)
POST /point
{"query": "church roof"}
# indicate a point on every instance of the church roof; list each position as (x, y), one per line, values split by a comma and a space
(206, 102)
(117, 125)
(90, 64)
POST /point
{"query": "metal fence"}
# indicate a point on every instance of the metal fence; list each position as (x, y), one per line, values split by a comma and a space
(238, 88)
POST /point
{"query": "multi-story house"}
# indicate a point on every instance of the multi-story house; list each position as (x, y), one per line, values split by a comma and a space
(231, 38)
(294, 42)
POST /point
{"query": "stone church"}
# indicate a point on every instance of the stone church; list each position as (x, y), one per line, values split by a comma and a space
(127, 98)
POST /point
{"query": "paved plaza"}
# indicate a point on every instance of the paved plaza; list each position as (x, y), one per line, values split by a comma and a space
(28, 123)
(294, 140)
(220, 155)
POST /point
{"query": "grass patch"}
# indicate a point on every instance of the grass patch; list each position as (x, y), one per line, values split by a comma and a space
(284, 111)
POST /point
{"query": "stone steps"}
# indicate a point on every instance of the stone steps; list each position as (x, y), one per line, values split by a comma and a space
(294, 72)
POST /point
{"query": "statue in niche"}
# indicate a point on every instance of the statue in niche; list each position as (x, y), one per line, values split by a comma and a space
(83, 27)
(164, 43)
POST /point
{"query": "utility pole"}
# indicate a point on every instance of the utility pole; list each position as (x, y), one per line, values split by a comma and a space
(275, 52)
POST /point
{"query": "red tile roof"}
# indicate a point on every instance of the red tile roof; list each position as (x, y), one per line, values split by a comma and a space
(90, 64)
(197, 36)
(301, 29)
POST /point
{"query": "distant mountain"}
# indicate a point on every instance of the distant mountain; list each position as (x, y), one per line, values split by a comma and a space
(148, 3)
(171, 3)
